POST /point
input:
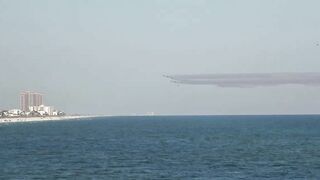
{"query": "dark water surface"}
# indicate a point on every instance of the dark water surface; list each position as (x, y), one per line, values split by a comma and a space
(194, 147)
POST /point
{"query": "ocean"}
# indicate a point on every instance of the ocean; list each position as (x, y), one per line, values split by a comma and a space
(163, 147)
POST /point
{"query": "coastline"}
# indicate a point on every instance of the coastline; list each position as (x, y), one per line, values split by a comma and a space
(37, 119)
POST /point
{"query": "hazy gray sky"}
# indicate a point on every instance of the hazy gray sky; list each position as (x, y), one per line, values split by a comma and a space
(108, 57)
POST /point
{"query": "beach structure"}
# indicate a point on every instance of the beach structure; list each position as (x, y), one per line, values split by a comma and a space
(31, 105)
(28, 99)
(42, 109)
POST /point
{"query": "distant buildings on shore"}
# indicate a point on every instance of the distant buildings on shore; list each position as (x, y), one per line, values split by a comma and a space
(31, 105)
(28, 99)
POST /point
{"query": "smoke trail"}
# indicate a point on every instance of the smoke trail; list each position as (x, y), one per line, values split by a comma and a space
(248, 79)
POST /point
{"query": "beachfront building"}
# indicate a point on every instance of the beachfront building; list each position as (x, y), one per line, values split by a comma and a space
(28, 99)
(42, 109)
(31, 104)
(14, 112)
(4, 113)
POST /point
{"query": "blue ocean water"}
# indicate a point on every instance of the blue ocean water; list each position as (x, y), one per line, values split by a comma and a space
(193, 147)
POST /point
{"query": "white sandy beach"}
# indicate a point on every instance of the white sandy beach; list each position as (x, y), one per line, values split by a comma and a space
(33, 119)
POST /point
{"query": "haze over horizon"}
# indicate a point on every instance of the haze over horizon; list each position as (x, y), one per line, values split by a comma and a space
(108, 57)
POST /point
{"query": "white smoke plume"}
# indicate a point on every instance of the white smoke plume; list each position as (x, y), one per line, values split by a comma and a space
(248, 79)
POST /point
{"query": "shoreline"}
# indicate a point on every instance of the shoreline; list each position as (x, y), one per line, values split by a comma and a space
(39, 119)
(81, 117)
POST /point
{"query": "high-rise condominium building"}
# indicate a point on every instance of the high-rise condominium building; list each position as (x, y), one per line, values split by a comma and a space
(28, 99)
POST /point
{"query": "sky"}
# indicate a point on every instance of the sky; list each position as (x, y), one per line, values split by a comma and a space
(109, 56)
